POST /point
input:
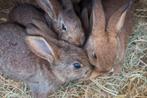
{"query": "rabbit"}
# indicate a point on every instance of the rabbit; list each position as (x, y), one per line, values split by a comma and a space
(64, 20)
(111, 27)
(26, 14)
(44, 64)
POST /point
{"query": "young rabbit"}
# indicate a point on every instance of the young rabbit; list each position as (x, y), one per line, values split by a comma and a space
(42, 63)
(111, 27)
(64, 20)
(26, 14)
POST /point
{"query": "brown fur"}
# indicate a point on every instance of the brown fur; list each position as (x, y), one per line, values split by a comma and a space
(110, 30)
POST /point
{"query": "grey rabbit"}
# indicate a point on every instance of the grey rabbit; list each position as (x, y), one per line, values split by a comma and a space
(64, 20)
(42, 63)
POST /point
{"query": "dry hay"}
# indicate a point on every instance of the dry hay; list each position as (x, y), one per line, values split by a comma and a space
(131, 83)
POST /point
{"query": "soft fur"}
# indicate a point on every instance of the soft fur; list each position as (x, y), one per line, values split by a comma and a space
(43, 63)
(111, 25)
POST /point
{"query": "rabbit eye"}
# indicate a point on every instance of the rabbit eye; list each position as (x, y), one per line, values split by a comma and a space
(63, 27)
(77, 65)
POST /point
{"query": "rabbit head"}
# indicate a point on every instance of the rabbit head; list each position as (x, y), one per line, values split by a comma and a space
(107, 38)
(64, 20)
(67, 62)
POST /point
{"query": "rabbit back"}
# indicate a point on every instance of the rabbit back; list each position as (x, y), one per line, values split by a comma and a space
(19, 63)
(15, 57)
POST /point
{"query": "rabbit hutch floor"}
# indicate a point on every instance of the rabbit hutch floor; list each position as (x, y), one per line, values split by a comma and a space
(132, 82)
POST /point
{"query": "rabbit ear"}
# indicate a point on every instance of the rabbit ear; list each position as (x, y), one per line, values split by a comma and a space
(98, 17)
(42, 26)
(41, 48)
(51, 7)
(85, 19)
(34, 30)
(117, 20)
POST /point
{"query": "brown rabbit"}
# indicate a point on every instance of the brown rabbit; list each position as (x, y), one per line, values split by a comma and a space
(26, 14)
(43, 64)
(64, 20)
(111, 27)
